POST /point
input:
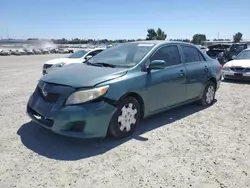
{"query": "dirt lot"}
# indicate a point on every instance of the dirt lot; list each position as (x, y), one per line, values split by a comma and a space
(184, 147)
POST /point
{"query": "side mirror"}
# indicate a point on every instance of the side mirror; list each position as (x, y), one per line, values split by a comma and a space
(88, 57)
(157, 64)
(234, 56)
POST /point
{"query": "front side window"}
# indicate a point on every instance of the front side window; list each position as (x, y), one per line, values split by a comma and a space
(123, 55)
(78, 54)
(237, 47)
(170, 54)
(191, 54)
(93, 53)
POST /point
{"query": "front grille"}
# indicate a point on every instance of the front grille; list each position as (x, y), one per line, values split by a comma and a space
(237, 77)
(240, 69)
(50, 97)
(45, 121)
(46, 66)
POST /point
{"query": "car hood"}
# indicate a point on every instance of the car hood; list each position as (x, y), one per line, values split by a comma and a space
(82, 75)
(239, 63)
(64, 60)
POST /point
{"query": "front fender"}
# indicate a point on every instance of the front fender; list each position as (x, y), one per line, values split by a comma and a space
(129, 83)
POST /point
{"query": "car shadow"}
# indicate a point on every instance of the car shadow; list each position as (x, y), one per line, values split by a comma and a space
(48, 144)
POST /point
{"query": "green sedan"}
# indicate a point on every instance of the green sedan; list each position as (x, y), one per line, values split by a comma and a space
(111, 92)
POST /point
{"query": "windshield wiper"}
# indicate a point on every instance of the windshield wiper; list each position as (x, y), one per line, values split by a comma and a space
(93, 64)
(104, 65)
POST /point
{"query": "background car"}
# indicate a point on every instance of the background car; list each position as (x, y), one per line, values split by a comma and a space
(19, 52)
(54, 51)
(37, 51)
(239, 68)
(71, 50)
(44, 51)
(29, 51)
(225, 52)
(77, 57)
(63, 51)
(5, 52)
(108, 95)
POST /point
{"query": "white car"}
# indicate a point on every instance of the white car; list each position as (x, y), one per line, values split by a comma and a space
(239, 67)
(78, 57)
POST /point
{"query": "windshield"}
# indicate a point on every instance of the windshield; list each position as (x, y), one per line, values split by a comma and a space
(78, 54)
(123, 55)
(219, 46)
(237, 47)
(244, 55)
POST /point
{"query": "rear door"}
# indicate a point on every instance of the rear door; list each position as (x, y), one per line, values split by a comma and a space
(197, 71)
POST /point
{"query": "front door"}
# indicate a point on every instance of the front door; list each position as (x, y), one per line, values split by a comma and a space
(166, 87)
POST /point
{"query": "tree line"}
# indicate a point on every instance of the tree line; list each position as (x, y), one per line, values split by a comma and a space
(152, 34)
(197, 38)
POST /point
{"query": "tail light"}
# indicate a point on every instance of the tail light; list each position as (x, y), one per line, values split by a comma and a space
(220, 67)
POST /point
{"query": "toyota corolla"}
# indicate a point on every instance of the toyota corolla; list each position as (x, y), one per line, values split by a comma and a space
(114, 90)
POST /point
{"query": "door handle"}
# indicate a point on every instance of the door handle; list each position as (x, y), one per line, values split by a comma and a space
(206, 69)
(181, 73)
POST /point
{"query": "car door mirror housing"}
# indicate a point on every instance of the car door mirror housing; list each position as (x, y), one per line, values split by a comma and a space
(157, 64)
(88, 57)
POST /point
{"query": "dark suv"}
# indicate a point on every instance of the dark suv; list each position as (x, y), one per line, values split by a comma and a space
(225, 52)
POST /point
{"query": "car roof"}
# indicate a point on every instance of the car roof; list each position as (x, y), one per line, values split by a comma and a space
(160, 42)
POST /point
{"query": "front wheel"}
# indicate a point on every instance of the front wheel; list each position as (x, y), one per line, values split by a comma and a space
(208, 94)
(125, 119)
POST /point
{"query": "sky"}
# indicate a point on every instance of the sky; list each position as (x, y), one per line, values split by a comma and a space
(123, 19)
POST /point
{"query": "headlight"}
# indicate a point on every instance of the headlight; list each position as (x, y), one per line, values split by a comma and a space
(58, 65)
(86, 95)
(226, 68)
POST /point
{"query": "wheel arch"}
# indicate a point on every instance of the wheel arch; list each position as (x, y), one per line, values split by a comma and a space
(138, 98)
(213, 79)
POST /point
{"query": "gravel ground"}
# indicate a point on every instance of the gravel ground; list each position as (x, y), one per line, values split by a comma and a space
(184, 147)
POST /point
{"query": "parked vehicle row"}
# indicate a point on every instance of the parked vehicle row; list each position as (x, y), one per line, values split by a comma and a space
(225, 52)
(111, 91)
(29, 51)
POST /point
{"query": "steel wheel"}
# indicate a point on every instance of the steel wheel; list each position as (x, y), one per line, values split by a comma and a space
(125, 119)
(208, 94)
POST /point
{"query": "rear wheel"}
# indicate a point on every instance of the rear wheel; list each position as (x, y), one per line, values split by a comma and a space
(208, 94)
(125, 119)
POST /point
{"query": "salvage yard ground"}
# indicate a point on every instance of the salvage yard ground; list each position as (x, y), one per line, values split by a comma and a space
(185, 147)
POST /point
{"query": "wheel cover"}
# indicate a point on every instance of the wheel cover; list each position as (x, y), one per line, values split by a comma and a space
(210, 94)
(127, 117)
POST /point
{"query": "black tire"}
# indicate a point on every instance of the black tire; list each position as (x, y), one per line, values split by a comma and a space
(204, 100)
(115, 126)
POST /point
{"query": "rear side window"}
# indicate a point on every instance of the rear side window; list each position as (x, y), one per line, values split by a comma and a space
(191, 54)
